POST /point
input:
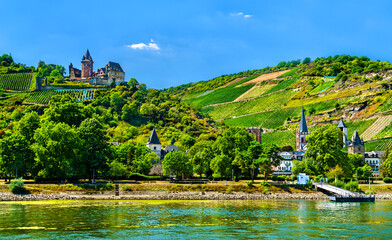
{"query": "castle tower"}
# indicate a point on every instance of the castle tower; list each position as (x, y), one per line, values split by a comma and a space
(356, 144)
(302, 133)
(343, 128)
(256, 131)
(154, 144)
(87, 65)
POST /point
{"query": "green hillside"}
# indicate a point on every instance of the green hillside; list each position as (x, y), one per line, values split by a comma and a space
(355, 89)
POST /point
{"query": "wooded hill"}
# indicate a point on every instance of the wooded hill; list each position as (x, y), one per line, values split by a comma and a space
(355, 89)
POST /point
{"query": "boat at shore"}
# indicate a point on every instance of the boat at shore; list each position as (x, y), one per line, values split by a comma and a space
(358, 198)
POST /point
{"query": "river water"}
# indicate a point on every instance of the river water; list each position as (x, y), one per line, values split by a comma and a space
(195, 220)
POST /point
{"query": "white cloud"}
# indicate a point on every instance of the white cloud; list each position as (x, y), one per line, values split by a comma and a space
(237, 14)
(142, 46)
(241, 14)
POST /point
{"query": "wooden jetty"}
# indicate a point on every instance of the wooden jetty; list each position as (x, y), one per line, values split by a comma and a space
(342, 195)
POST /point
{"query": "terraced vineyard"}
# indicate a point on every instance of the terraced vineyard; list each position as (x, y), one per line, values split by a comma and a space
(16, 81)
(376, 127)
(43, 97)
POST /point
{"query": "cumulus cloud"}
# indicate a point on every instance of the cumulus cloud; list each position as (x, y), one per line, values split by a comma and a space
(142, 46)
(241, 14)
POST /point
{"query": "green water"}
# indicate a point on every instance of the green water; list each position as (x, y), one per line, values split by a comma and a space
(195, 220)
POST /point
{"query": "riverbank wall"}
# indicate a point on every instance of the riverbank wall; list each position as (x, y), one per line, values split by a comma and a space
(173, 196)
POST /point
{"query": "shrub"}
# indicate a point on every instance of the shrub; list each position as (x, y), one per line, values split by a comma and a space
(229, 189)
(265, 184)
(352, 186)
(109, 186)
(281, 178)
(318, 178)
(17, 186)
(274, 178)
(339, 183)
(250, 184)
(387, 180)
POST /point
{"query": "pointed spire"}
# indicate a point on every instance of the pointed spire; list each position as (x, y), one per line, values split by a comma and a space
(341, 124)
(356, 140)
(87, 56)
(153, 138)
(302, 123)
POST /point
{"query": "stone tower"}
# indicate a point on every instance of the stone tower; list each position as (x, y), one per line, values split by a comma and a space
(87, 65)
(302, 133)
(256, 131)
(154, 144)
(356, 144)
(343, 128)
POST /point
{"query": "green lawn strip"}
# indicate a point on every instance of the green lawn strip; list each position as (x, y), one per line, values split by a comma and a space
(322, 87)
(289, 73)
(282, 85)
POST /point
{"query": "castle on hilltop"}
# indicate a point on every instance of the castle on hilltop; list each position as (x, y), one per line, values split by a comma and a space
(112, 72)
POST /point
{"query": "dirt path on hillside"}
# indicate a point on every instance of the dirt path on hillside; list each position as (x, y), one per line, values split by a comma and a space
(264, 77)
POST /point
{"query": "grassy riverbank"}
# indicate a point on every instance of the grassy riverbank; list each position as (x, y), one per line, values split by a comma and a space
(259, 187)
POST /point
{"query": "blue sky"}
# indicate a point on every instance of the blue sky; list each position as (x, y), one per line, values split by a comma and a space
(168, 43)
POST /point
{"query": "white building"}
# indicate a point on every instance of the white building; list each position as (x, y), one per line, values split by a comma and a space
(154, 144)
(287, 162)
(373, 159)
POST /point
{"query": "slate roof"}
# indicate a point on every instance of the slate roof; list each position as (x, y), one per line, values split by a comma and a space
(87, 56)
(153, 138)
(302, 123)
(113, 67)
(356, 140)
(341, 124)
(171, 148)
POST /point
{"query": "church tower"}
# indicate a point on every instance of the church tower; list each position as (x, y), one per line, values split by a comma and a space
(302, 133)
(154, 144)
(356, 145)
(87, 65)
(343, 128)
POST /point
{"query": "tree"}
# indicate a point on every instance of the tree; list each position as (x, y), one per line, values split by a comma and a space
(201, 155)
(176, 163)
(336, 171)
(307, 60)
(250, 160)
(226, 147)
(94, 146)
(364, 172)
(386, 167)
(287, 148)
(57, 151)
(116, 101)
(129, 111)
(268, 159)
(63, 108)
(324, 148)
(27, 125)
(117, 169)
(16, 157)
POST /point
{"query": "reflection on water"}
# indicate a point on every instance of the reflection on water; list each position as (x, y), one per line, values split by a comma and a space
(195, 219)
